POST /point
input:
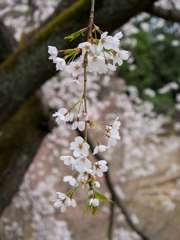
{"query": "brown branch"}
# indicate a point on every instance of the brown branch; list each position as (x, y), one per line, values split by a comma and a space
(171, 15)
(121, 205)
(115, 196)
(84, 95)
(111, 220)
(91, 18)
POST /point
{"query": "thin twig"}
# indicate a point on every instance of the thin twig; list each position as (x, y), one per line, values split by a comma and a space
(111, 220)
(91, 20)
(84, 95)
(85, 61)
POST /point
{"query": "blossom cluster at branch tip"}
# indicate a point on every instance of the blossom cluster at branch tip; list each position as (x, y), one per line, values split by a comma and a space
(100, 53)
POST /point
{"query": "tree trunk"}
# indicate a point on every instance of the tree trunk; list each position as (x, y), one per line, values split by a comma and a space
(19, 142)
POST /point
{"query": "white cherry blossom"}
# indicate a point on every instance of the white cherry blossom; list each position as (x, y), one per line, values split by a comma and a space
(94, 49)
(74, 84)
(53, 52)
(60, 63)
(99, 148)
(94, 201)
(85, 174)
(116, 124)
(120, 56)
(100, 167)
(105, 42)
(63, 116)
(85, 46)
(115, 44)
(95, 62)
(79, 147)
(83, 163)
(112, 134)
(60, 116)
(96, 184)
(64, 201)
(113, 137)
(69, 116)
(73, 203)
(75, 68)
(83, 115)
(105, 68)
(78, 124)
(118, 35)
(72, 181)
(57, 203)
(91, 192)
(68, 160)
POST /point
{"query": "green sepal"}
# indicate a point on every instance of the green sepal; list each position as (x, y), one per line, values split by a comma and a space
(87, 205)
(71, 52)
(75, 35)
(94, 211)
(101, 197)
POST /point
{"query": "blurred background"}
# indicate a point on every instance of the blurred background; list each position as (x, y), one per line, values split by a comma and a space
(144, 166)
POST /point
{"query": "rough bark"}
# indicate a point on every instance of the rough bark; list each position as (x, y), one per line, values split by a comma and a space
(62, 6)
(28, 68)
(19, 142)
(171, 15)
(7, 42)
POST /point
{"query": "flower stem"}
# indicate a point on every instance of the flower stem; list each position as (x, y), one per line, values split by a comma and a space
(70, 193)
(76, 104)
(97, 126)
(95, 135)
(85, 62)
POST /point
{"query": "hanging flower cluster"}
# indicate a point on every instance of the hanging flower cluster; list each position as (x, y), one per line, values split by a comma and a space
(97, 56)
(99, 52)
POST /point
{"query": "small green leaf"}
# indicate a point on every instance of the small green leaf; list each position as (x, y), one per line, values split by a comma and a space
(87, 205)
(101, 197)
(75, 35)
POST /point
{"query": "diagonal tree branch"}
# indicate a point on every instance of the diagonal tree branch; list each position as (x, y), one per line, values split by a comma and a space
(62, 6)
(171, 15)
(28, 68)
